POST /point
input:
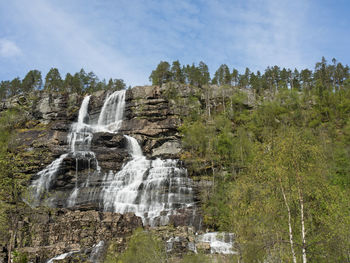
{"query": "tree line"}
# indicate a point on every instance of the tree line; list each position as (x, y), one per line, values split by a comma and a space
(325, 76)
(80, 82)
(280, 168)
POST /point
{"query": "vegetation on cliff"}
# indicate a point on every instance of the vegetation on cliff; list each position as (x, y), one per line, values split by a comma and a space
(274, 146)
(12, 179)
(279, 168)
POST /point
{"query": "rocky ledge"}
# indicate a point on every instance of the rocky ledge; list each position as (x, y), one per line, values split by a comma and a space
(43, 235)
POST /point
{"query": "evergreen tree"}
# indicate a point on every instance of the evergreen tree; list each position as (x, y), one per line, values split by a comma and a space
(116, 84)
(204, 74)
(91, 82)
(15, 86)
(234, 77)
(223, 76)
(306, 79)
(68, 83)
(32, 81)
(4, 89)
(83, 79)
(244, 79)
(119, 84)
(53, 81)
(77, 84)
(177, 73)
(161, 75)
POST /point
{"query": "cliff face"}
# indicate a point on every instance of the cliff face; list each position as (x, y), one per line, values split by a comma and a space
(152, 116)
(44, 235)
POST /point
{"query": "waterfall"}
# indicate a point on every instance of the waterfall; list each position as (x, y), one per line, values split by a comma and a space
(79, 139)
(96, 252)
(61, 257)
(155, 190)
(43, 183)
(152, 189)
(221, 243)
(81, 132)
(112, 112)
(110, 119)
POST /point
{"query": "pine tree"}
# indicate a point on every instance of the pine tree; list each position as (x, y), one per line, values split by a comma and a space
(77, 84)
(204, 74)
(68, 83)
(161, 75)
(53, 81)
(15, 86)
(177, 73)
(32, 81)
(4, 89)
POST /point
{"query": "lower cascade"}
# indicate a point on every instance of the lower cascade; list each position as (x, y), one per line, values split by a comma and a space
(219, 242)
(95, 254)
(152, 189)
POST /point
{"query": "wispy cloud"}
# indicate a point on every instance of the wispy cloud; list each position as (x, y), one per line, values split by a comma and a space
(66, 43)
(262, 33)
(127, 38)
(8, 48)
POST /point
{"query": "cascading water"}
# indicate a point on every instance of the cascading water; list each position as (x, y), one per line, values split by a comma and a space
(80, 142)
(221, 243)
(111, 116)
(43, 183)
(79, 139)
(110, 119)
(152, 189)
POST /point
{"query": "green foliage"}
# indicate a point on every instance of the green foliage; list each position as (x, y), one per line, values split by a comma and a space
(196, 258)
(177, 73)
(143, 247)
(161, 74)
(222, 76)
(32, 81)
(12, 180)
(292, 148)
(19, 257)
(53, 81)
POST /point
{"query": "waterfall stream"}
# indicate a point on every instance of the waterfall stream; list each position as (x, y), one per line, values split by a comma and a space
(152, 189)
(221, 243)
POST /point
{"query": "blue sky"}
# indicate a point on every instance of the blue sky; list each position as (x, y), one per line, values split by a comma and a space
(127, 38)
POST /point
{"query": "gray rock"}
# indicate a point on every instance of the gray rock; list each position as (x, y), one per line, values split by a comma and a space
(170, 149)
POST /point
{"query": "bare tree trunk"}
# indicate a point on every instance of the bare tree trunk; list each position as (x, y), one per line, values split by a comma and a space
(9, 249)
(301, 201)
(208, 102)
(223, 99)
(291, 241)
(302, 225)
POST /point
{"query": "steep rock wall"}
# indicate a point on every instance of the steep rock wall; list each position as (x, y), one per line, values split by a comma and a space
(152, 116)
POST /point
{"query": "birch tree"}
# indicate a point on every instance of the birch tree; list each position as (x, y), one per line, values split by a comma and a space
(278, 208)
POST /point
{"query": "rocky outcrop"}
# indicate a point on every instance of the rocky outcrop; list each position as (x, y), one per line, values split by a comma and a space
(152, 116)
(44, 235)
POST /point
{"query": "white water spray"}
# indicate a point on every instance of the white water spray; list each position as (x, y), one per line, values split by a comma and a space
(153, 190)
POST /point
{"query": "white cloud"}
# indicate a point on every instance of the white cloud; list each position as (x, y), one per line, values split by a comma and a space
(64, 42)
(8, 48)
(127, 38)
(263, 33)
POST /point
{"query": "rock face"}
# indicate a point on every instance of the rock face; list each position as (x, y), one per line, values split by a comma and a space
(105, 167)
(47, 234)
(152, 116)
